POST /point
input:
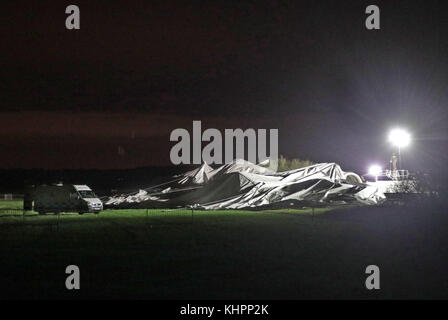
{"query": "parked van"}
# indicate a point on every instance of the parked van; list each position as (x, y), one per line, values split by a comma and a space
(66, 198)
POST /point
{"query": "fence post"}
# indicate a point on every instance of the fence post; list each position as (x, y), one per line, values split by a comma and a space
(28, 198)
(146, 220)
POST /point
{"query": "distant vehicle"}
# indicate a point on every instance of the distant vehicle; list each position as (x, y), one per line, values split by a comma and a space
(66, 198)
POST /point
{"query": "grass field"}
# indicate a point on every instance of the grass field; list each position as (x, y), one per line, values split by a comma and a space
(11, 204)
(172, 254)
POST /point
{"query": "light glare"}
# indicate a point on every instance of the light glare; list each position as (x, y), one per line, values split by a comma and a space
(375, 170)
(399, 138)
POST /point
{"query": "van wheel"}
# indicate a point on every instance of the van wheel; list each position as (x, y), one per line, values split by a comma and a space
(81, 212)
(96, 212)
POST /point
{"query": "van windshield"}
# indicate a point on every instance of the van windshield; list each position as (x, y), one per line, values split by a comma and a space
(87, 194)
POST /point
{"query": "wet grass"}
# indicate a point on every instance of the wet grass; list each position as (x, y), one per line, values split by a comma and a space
(273, 254)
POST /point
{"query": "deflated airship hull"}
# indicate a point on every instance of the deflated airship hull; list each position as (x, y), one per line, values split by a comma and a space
(244, 185)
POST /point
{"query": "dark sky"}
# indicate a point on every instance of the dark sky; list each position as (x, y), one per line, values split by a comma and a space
(139, 69)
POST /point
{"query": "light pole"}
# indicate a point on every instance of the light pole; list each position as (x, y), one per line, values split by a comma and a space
(399, 138)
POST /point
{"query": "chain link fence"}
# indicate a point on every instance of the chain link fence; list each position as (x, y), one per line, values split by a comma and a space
(12, 213)
(10, 197)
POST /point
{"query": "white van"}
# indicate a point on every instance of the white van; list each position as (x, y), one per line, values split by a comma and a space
(66, 198)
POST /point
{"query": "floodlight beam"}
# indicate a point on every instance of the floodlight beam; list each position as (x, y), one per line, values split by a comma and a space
(399, 138)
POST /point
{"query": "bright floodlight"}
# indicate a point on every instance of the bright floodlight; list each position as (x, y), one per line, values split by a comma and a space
(399, 138)
(375, 170)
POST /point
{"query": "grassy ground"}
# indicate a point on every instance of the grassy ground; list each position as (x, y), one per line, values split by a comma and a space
(170, 254)
(11, 204)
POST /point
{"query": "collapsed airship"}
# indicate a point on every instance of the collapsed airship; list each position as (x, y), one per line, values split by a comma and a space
(244, 185)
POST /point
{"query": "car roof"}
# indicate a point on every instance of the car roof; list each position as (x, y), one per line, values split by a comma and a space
(81, 187)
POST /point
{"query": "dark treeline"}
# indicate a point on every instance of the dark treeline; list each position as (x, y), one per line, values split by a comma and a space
(107, 182)
(103, 182)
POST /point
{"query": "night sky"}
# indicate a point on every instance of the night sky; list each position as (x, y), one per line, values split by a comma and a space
(108, 95)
